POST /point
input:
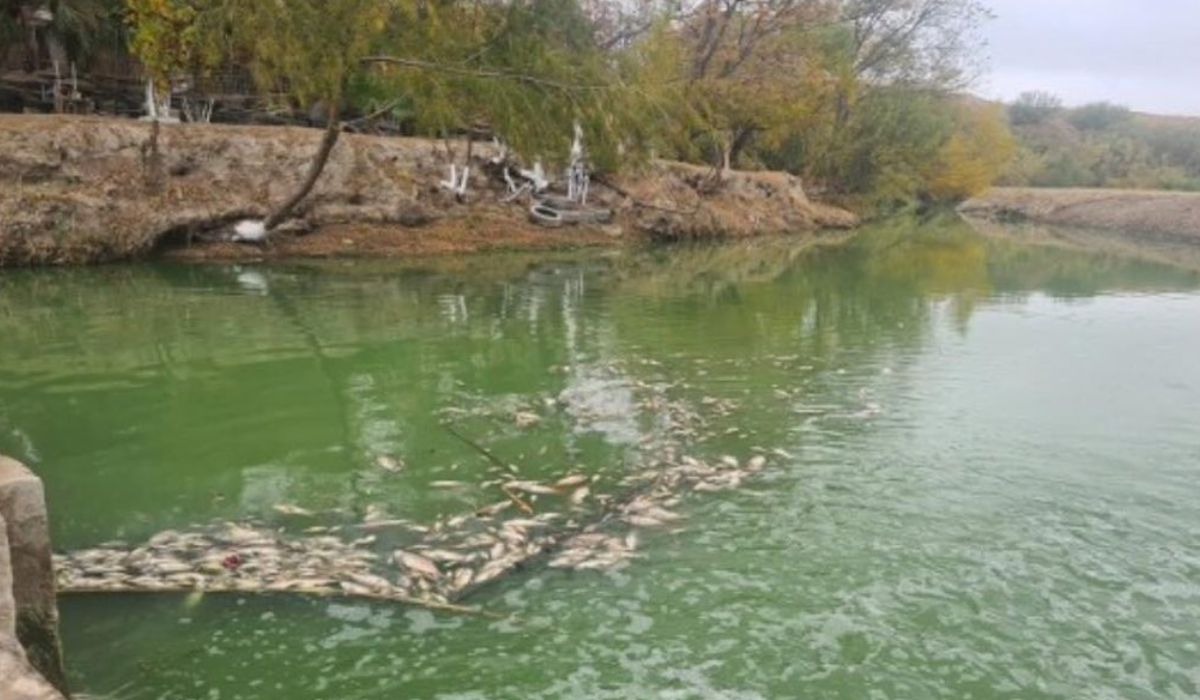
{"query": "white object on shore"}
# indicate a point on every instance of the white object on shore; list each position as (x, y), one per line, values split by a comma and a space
(536, 177)
(514, 190)
(501, 151)
(158, 110)
(578, 180)
(458, 182)
(249, 231)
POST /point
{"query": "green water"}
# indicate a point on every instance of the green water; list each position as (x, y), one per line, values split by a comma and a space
(993, 488)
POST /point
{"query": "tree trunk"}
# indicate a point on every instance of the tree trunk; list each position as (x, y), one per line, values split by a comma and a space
(741, 139)
(152, 160)
(332, 130)
(32, 45)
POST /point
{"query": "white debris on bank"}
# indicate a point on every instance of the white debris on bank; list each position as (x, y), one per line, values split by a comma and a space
(249, 231)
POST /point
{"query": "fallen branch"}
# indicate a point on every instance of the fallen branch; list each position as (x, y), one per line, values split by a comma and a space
(491, 457)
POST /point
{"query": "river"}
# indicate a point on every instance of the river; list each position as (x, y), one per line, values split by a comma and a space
(983, 475)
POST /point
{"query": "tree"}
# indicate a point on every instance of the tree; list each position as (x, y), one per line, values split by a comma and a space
(523, 71)
(973, 157)
(748, 66)
(1034, 107)
(915, 42)
(301, 52)
(1099, 116)
(164, 37)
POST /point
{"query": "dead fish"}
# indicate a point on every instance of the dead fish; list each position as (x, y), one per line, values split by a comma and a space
(642, 521)
(417, 563)
(354, 588)
(375, 525)
(532, 487)
(462, 578)
(579, 495)
(303, 585)
(661, 514)
(756, 463)
(389, 463)
(164, 538)
(239, 535)
(525, 419)
(571, 481)
(289, 509)
(445, 556)
(729, 461)
(494, 509)
(447, 484)
(193, 599)
(371, 581)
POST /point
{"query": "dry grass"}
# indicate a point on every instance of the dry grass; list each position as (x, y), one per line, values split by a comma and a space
(1174, 215)
(79, 189)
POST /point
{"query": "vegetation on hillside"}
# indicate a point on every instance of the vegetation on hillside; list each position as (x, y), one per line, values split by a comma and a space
(1101, 145)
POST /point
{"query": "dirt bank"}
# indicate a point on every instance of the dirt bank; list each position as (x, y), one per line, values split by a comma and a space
(1163, 215)
(84, 189)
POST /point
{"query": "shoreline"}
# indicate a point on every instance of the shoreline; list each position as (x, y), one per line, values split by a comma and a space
(80, 190)
(1157, 215)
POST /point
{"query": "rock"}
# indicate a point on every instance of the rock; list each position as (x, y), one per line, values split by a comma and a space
(19, 680)
(23, 509)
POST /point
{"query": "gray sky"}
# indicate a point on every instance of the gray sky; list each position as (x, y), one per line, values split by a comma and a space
(1140, 53)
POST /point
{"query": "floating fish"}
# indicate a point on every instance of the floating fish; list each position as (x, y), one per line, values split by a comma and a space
(417, 563)
(525, 419)
(445, 556)
(462, 578)
(193, 599)
(571, 481)
(389, 463)
(289, 509)
(532, 487)
(494, 509)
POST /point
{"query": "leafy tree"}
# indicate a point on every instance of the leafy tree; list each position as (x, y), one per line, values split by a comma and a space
(973, 157)
(524, 71)
(1033, 107)
(164, 37)
(750, 66)
(302, 52)
(1099, 116)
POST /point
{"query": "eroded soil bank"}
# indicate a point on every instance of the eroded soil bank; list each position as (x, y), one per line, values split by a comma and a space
(89, 189)
(1161, 215)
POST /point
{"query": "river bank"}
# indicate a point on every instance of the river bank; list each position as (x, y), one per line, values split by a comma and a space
(88, 189)
(1150, 214)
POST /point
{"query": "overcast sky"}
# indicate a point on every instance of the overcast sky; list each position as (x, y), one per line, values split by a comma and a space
(1140, 53)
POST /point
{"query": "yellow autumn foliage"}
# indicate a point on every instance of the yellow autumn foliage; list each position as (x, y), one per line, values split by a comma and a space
(974, 156)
